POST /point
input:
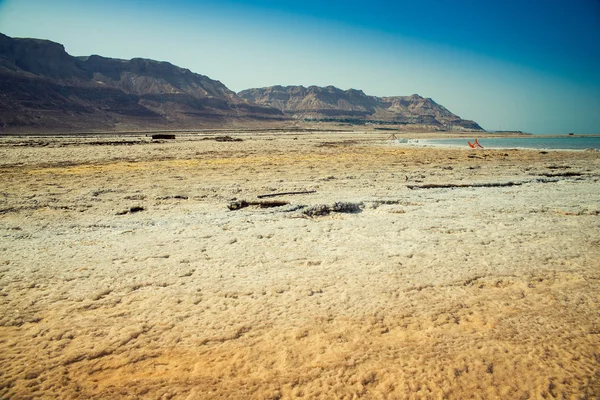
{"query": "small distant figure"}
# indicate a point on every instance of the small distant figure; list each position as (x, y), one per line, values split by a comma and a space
(475, 145)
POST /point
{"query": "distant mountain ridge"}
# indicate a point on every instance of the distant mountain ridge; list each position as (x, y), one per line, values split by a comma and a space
(42, 87)
(327, 103)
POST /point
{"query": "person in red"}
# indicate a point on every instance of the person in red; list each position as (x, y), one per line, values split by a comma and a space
(475, 145)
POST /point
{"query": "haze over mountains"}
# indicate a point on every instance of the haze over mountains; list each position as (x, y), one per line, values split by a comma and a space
(44, 88)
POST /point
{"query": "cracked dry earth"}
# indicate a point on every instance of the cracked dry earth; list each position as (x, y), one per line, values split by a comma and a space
(124, 274)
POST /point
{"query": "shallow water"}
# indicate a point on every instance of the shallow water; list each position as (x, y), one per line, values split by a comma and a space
(530, 142)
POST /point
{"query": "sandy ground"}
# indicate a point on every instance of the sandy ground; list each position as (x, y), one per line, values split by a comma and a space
(123, 274)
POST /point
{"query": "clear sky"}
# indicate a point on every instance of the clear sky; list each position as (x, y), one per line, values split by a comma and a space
(531, 65)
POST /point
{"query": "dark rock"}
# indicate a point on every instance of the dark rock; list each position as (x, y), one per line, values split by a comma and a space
(131, 210)
(227, 139)
(339, 207)
(237, 205)
(163, 136)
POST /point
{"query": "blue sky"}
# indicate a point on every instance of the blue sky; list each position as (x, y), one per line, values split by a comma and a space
(514, 65)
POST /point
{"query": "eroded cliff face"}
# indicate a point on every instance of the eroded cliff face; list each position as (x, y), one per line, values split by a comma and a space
(44, 87)
(332, 103)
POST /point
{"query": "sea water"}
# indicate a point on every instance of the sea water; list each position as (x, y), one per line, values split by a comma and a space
(530, 142)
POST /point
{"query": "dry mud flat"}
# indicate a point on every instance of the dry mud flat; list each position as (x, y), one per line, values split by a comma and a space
(404, 273)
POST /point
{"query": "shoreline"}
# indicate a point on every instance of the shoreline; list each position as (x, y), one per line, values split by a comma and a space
(542, 141)
(301, 131)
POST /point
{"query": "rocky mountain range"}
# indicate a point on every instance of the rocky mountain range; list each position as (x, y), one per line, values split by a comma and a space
(42, 87)
(330, 103)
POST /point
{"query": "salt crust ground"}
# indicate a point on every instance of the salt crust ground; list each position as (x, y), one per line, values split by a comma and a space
(469, 292)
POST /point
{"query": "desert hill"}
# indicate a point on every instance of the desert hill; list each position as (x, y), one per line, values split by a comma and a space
(42, 87)
(331, 103)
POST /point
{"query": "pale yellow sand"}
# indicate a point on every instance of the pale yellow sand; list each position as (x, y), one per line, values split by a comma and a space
(469, 292)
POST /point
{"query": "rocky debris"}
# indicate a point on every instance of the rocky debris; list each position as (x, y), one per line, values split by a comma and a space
(317, 210)
(227, 139)
(131, 210)
(175, 197)
(320, 210)
(262, 196)
(238, 205)
(490, 184)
